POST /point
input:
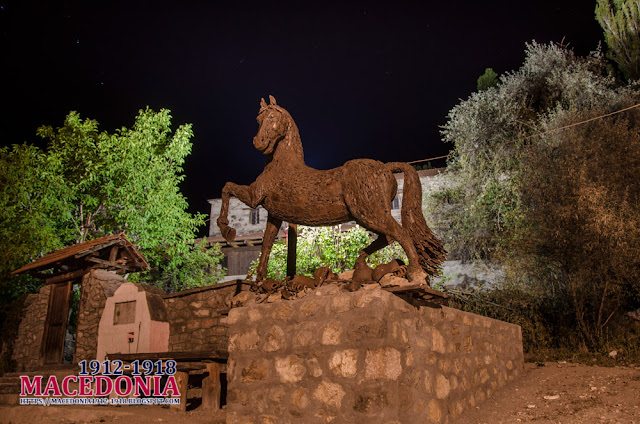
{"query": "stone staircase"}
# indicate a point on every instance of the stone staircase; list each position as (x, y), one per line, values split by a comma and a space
(10, 382)
(9, 389)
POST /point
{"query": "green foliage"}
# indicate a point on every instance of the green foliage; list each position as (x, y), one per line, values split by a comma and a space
(88, 184)
(581, 200)
(546, 316)
(198, 267)
(327, 246)
(551, 79)
(620, 21)
(448, 195)
(423, 166)
(559, 210)
(487, 80)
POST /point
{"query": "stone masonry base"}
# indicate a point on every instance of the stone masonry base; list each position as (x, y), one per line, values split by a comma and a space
(363, 357)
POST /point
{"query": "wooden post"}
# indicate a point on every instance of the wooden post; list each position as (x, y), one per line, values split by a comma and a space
(211, 387)
(182, 380)
(292, 244)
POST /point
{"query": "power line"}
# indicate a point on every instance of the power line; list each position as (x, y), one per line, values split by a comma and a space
(530, 136)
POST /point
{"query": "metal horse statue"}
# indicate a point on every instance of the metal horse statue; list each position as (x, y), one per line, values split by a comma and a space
(361, 190)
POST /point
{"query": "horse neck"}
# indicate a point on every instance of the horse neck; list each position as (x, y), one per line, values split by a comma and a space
(289, 149)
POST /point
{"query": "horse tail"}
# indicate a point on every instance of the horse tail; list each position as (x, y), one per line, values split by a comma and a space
(431, 253)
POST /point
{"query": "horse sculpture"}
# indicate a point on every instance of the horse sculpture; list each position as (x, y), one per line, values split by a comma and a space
(361, 190)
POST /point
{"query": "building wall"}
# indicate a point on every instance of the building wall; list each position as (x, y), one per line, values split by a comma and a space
(97, 285)
(26, 350)
(239, 218)
(195, 318)
(366, 356)
(237, 260)
(143, 328)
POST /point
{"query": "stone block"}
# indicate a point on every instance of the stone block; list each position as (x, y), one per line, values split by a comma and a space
(309, 308)
(331, 333)
(275, 339)
(366, 328)
(341, 303)
(315, 370)
(344, 363)
(202, 313)
(371, 401)
(257, 370)
(244, 341)
(299, 398)
(329, 394)
(283, 312)
(383, 363)
(303, 339)
(290, 369)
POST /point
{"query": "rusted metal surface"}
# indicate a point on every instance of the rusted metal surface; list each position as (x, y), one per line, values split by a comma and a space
(361, 190)
(132, 261)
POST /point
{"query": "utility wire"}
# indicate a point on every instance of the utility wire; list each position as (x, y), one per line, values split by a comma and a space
(575, 124)
(530, 136)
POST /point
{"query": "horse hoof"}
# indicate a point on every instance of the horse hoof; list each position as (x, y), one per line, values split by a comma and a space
(418, 277)
(228, 233)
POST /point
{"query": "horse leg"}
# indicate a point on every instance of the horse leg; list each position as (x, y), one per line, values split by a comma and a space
(393, 230)
(270, 233)
(246, 194)
(379, 243)
(377, 217)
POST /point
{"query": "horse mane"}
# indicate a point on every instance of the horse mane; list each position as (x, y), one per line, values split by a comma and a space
(291, 142)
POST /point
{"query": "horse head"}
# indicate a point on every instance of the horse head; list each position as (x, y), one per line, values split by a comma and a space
(273, 125)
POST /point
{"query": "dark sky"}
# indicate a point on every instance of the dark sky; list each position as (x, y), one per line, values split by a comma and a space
(361, 79)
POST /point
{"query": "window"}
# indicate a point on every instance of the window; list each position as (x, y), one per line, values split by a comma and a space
(124, 313)
(395, 204)
(254, 216)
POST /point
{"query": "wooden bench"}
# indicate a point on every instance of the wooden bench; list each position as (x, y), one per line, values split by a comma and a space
(211, 362)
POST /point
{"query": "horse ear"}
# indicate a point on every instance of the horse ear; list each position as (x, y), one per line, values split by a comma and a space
(262, 103)
(272, 100)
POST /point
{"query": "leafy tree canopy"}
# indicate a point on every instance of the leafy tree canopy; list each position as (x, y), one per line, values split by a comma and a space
(88, 184)
(551, 79)
(559, 208)
(487, 80)
(620, 21)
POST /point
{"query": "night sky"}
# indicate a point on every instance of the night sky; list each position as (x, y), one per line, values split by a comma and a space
(360, 79)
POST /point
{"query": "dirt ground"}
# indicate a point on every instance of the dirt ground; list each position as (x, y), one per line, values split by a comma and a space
(553, 392)
(564, 393)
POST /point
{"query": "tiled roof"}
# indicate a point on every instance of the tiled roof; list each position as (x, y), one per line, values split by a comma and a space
(80, 249)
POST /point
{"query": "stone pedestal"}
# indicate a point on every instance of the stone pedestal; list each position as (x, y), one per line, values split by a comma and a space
(366, 356)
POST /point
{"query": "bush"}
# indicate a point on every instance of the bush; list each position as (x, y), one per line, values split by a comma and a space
(327, 246)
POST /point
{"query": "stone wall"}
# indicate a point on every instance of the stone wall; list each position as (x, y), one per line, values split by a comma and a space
(366, 356)
(195, 317)
(26, 350)
(239, 218)
(97, 285)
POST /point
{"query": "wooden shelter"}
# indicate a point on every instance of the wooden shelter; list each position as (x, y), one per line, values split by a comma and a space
(61, 269)
(113, 252)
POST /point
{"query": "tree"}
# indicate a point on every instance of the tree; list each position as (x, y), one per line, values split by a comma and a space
(99, 183)
(551, 78)
(30, 219)
(581, 201)
(620, 21)
(327, 246)
(560, 209)
(487, 80)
